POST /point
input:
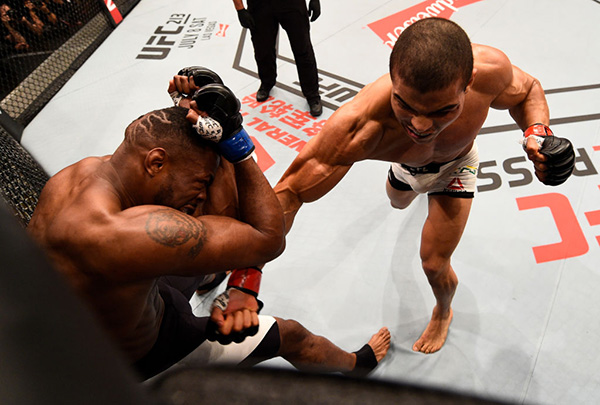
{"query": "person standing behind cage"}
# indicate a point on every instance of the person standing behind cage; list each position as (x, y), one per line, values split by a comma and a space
(263, 18)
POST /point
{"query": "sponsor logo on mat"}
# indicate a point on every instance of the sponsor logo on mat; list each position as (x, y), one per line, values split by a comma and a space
(180, 31)
(390, 28)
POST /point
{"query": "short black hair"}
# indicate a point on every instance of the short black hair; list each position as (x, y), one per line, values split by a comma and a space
(431, 54)
(165, 127)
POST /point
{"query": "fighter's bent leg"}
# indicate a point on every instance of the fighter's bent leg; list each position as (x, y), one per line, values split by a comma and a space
(399, 193)
(442, 231)
(307, 351)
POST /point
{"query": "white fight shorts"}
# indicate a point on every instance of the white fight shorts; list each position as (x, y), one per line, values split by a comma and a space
(213, 353)
(455, 179)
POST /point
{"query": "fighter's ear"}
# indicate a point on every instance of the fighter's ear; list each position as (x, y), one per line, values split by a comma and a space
(155, 161)
(470, 83)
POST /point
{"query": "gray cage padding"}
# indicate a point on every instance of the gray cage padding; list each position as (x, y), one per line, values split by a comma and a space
(21, 178)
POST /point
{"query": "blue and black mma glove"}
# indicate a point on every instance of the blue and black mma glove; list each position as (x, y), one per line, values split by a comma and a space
(202, 76)
(223, 123)
(559, 151)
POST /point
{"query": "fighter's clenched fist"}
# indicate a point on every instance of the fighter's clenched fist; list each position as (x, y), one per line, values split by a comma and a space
(552, 156)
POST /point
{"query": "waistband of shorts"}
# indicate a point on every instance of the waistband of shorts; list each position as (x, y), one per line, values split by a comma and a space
(432, 167)
(428, 168)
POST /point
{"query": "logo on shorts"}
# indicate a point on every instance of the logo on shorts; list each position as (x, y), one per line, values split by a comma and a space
(455, 185)
(470, 169)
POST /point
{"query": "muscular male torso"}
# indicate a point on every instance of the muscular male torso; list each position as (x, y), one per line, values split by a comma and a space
(367, 128)
(71, 206)
(384, 138)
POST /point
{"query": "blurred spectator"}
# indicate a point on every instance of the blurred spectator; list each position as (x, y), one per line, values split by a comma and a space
(10, 33)
(31, 30)
(49, 15)
(31, 19)
(26, 23)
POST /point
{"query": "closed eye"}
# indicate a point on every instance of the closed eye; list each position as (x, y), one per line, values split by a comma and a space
(437, 114)
(189, 209)
(443, 112)
(402, 104)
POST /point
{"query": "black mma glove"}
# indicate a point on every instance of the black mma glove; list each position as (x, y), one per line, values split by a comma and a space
(246, 19)
(212, 330)
(558, 151)
(202, 76)
(213, 334)
(224, 122)
(314, 9)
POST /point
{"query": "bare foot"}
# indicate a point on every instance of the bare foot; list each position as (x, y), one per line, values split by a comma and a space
(436, 332)
(380, 343)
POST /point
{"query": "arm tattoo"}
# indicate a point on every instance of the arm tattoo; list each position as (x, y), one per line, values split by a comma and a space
(172, 228)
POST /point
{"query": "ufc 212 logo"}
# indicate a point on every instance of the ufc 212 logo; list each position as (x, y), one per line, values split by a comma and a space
(164, 38)
(181, 31)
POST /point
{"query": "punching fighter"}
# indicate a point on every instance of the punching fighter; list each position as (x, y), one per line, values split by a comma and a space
(423, 117)
(123, 228)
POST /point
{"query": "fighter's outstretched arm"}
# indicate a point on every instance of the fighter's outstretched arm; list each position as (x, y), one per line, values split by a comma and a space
(310, 176)
(347, 137)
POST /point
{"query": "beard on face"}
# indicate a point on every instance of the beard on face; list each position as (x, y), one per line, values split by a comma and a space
(165, 194)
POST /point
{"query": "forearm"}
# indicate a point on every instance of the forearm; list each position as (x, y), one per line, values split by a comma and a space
(305, 182)
(238, 4)
(290, 203)
(258, 205)
(533, 109)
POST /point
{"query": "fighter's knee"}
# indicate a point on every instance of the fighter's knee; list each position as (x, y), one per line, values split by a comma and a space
(434, 268)
(399, 199)
(440, 274)
(291, 331)
(397, 205)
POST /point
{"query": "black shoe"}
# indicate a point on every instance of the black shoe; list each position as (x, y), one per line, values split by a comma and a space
(262, 94)
(316, 108)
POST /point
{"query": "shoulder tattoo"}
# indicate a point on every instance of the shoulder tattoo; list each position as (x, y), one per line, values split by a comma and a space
(172, 228)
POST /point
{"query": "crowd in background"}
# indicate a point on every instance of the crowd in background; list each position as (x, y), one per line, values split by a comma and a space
(25, 22)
